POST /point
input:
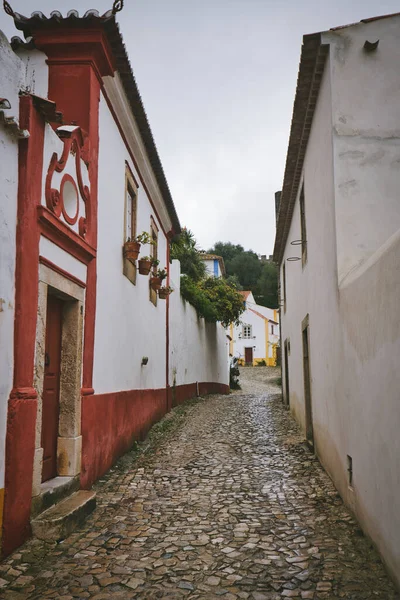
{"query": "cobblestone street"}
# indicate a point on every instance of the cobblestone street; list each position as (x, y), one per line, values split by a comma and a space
(230, 503)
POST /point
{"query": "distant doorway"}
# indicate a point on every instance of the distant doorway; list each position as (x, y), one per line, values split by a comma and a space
(51, 386)
(248, 356)
(286, 353)
(307, 381)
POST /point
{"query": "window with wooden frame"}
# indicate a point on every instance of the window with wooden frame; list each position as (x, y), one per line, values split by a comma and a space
(154, 256)
(130, 218)
(284, 286)
(303, 228)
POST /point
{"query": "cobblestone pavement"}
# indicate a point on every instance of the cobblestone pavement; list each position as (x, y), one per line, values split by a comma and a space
(229, 504)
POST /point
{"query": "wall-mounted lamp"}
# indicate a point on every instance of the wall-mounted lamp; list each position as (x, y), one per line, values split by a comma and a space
(145, 360)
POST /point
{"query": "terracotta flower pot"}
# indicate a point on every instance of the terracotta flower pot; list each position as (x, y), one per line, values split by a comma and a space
(131, 250)
(163, 293)
(144, 266)
(155, 283)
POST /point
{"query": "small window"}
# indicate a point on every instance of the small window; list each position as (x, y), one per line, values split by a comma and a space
(154, 255)
(130, 216)
(247, 331)
(303, 228)
(272, 329)
(130, 205)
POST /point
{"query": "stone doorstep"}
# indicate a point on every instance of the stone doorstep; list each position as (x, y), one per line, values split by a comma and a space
(59, 521)
(52, 492)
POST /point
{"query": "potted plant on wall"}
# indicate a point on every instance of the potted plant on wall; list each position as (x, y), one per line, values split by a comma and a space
(145, 263)
(164, 292)
(157, 279)
(132, 245)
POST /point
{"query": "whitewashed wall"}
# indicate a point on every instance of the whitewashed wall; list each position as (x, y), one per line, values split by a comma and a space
(12, 78)
(366, 136)
(213, 267)
(198, 350)
(351, 283)
(257, 339)
(128, 325)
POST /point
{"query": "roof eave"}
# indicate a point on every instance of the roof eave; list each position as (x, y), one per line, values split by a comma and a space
(311, 68)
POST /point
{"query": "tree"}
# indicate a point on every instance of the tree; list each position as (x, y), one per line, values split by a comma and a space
(261, 277)
(247, 267)
(266, 290)
(184, 248)
(214, 299)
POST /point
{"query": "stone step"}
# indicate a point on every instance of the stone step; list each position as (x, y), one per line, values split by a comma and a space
(59, 521)
(52, 492)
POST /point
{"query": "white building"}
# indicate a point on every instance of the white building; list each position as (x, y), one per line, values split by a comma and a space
(256, 338)
(338, 247)
(214, 264)
(91, 352)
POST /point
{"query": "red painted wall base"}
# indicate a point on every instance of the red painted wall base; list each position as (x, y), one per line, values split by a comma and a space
(112, 422)
(20, 450)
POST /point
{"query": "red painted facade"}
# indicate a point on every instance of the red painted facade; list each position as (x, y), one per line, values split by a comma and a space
(77, 60)
(22, 405)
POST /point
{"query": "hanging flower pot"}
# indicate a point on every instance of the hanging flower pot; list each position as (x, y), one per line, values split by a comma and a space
(131, 250)
(164, 292)
(155, 282)
(144, 265)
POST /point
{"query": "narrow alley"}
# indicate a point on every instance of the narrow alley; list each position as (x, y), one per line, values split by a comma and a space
(229, 503)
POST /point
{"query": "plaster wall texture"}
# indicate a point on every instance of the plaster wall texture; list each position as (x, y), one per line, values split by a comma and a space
(198, 350)
(128, 325)
(366, 137)
(36, 71)
(350, 287)
(11, 77)
(62, 259)
(312, 290)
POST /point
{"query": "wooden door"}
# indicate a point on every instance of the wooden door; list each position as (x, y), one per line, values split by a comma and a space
(307, 386)
(248, 356)
(51, 387)
(286, 351)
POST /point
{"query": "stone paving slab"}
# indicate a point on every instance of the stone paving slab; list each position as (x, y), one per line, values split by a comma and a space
(230, 505)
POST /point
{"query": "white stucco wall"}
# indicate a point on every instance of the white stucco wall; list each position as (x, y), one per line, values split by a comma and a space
(198, 350)
(128, 325)
(62, 259)
(11, 77)
(352, 297)
(366, 136)
(213, 267)
(257, 339)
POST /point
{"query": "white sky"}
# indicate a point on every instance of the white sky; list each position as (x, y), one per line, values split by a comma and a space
(218, 78)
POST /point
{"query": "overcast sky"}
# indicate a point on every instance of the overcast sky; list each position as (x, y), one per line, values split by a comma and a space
(217, 78)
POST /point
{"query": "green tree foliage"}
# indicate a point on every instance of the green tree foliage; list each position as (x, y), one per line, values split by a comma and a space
(266, 290)
(261, 277)
(213, 298)
(184, 248)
